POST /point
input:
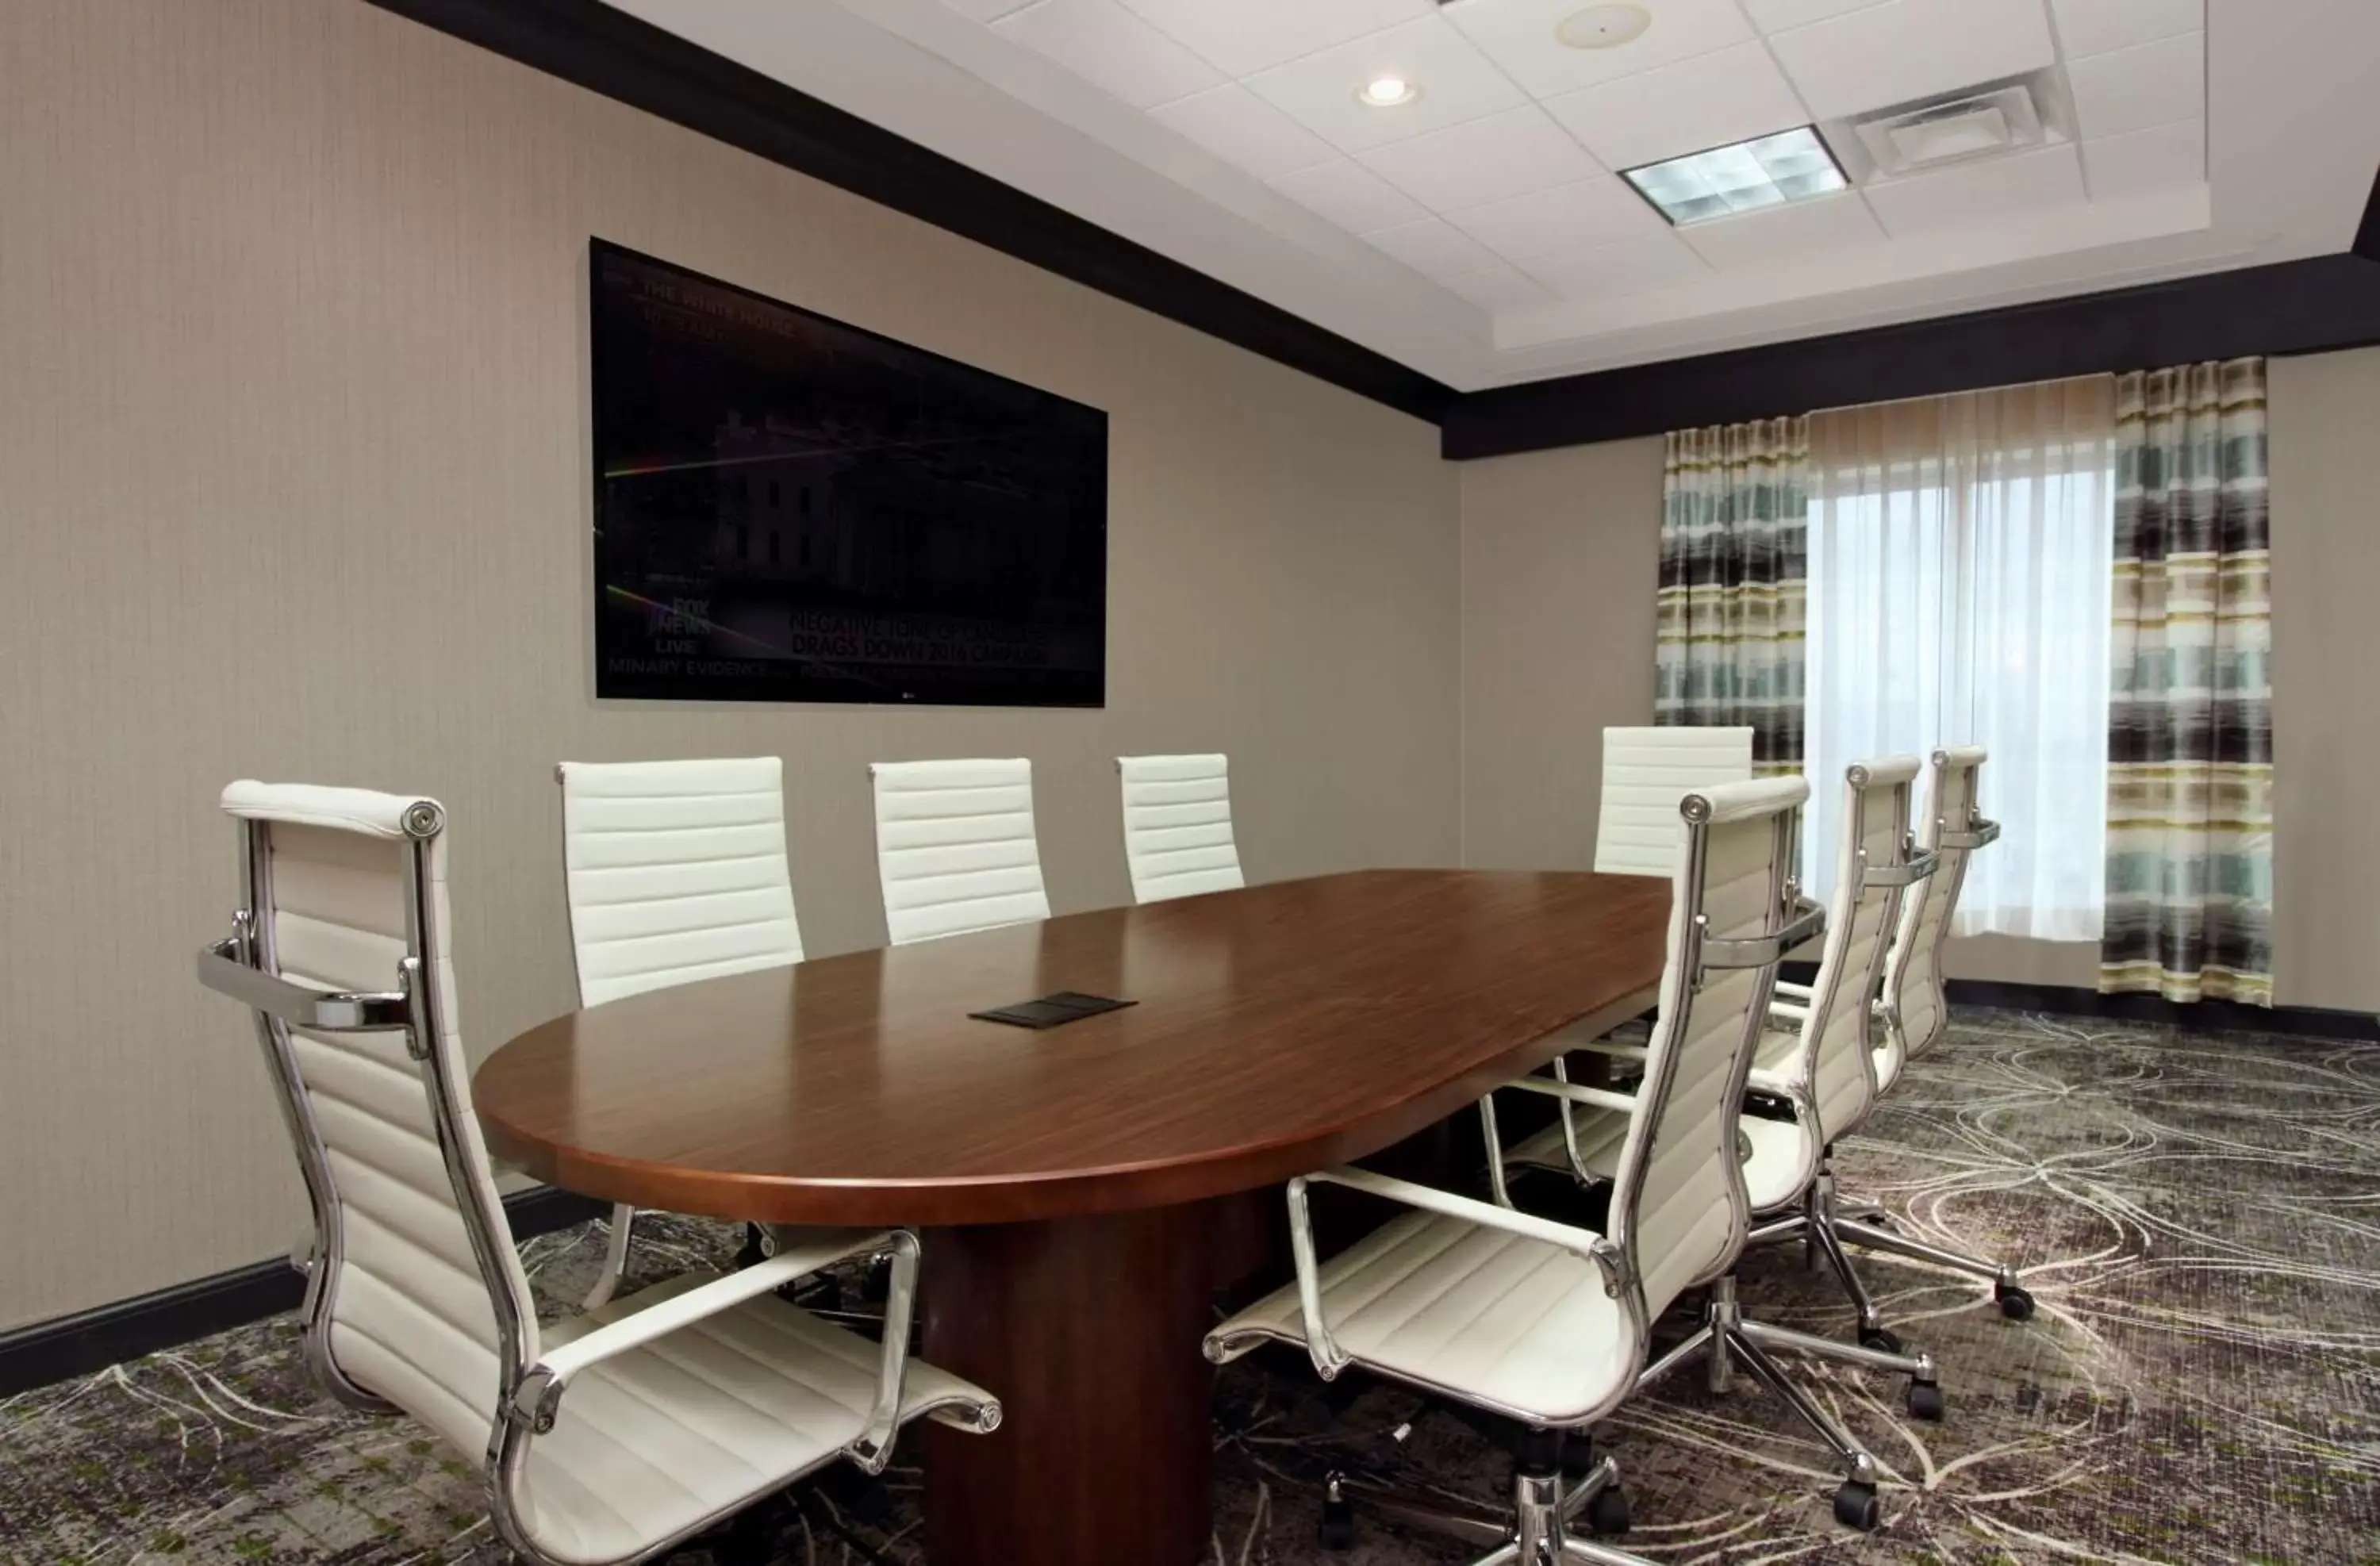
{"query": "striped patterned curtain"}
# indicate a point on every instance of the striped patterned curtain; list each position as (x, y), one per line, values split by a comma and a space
(1734, 563)
(2190, 744)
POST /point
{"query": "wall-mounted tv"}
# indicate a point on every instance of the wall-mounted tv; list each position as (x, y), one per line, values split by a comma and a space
(791, 509)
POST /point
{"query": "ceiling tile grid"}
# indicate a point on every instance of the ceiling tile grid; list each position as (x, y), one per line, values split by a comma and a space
(1479, 160)
(1730, 95)
(1498, 176)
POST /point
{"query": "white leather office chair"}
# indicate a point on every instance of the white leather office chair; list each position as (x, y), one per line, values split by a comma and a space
(606, 1438)
(673, 871)
(954, 847)
(1914, 1007)
(1816, 1058)
(1813, 1056)
(1177, 826)
(1645, 772)
(1546, 1323)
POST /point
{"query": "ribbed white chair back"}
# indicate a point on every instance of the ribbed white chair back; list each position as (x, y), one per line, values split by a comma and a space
(346, 885)
(955, 848)
(1917, 1009)
(1833, 1064)
(1645, 772)
(1177, 826)
(675, 871)
(1678, 1199)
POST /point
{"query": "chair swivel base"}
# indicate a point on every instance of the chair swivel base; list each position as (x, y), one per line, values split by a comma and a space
(1547, 1504)
(1829, 1221)
(1726, 1339)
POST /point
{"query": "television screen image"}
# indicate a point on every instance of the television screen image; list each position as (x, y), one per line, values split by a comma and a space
(791, 509)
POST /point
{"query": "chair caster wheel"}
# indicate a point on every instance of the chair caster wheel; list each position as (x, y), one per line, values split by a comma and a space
(1883, 1340)
(1337, 1530)
(1926, 1402)
(1607, 1512)
(877, 1286)
(2015, 1304)
(1856, 1506)
(753, 1254)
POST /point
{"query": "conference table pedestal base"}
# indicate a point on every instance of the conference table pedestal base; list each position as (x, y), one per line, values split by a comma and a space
(1088, 1330)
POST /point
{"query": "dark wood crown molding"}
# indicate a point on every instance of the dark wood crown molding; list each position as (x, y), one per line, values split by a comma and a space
(623, 58)
(2310, 305)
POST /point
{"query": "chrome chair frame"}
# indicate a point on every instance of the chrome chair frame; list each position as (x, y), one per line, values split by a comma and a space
(1725, 1335)
(1819, 1224)
(529, 1394)
(1543, 1506)
(1874, 1229)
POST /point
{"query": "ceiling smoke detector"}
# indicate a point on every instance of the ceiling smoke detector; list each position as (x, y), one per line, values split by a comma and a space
(1604, 27)
(1970, 125)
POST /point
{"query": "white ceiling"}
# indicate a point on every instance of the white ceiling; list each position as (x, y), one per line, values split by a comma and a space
(1480, 232)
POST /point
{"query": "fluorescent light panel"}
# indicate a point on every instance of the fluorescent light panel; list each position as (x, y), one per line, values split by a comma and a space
(1791, 165)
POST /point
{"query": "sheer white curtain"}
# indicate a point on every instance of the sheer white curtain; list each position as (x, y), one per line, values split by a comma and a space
(1960, 562)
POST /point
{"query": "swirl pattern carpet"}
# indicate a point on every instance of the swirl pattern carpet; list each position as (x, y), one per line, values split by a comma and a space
(2197, 1215)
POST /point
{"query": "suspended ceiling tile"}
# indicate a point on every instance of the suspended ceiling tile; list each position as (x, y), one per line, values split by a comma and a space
(1110, 48)
(1907, 49)
(1245, 36)
(2149, 84)
(1509, 153)
(1570, 217)
(1456, 83)
(1733, 94)
(1240, 127)
(1521, 37)
(1350, 195)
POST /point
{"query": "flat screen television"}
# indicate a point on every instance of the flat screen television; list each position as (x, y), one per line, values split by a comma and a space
(788, 508)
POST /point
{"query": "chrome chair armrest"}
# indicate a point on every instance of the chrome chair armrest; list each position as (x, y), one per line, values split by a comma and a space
(1980, 833)
(1801, 994)
(1321, 1347)
(537, 1398)
(325, 1011)
(1920, 865)
(1580, 1242)
(1575, 1092)
(1809, 921)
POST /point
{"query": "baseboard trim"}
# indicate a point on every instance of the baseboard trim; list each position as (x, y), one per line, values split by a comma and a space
(2203, 1016)
(67, 1346)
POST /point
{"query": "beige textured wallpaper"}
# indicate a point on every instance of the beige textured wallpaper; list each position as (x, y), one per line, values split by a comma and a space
(2325, 711)
(1561, 555)
(292, 425)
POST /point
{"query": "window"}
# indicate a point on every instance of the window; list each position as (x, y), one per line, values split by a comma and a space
(1960, 554)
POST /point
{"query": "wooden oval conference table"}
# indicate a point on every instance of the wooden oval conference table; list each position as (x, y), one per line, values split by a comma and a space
(1077, 1187)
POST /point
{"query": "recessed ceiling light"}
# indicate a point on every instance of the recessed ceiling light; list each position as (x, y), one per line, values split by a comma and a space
(1793, 165)
(1387, 93)
(1604, 27)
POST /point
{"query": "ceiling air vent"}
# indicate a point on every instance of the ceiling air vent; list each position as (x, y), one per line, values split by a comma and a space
(1972, 125)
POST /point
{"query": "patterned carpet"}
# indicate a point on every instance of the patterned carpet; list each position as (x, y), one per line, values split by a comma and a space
(2199, 1217)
